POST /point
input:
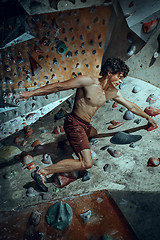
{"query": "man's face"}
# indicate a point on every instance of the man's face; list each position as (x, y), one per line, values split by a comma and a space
(116, 79)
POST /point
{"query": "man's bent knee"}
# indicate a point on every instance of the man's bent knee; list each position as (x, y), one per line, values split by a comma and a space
(86, 159)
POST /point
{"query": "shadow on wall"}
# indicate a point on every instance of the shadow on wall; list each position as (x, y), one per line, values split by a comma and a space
(121, 41)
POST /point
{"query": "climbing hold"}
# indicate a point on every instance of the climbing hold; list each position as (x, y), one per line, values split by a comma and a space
(69, 54)
(30, 116)
(55, 61)
(105, 147)
(151, 111)
(93, 141)
(10, 174)
(28, 131)
(45, 41)
(124, 138)
(131, 50)
(58, 129)
(47, 159)
(59, 216)
(18, 139)
(107, 237)
(153, 162)
(86, 176)
(152, 98)
(94, 155)
(107, 167)
(35, 143)
(35, 218)
(122, 109)
(27, 159)
(115, 104)
(132, 145)
(114, 153)
(31, 192)
(136, 89)
(115, 124)
(150, 26)
(61, 47)
(86, 216)
(137, 121)
(128, 115)
(150, 127)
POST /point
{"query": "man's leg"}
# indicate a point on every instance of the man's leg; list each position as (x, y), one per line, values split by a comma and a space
(85, 161)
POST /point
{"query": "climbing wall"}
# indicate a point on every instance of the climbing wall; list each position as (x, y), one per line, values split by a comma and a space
(66, 44)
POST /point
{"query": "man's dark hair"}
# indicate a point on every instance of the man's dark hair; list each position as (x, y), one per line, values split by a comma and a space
(114, 65)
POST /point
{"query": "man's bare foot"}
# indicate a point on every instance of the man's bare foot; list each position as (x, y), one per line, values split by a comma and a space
(42, 172)
(40, 179)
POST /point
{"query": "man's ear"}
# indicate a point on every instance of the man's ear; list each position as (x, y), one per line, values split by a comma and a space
(109, 74)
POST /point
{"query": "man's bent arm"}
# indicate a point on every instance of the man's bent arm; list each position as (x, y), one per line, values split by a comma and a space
(133, 108)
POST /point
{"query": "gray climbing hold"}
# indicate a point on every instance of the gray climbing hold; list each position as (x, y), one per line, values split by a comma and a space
(59, 216)
(132, 145)
(128, 115)
(124, 138)
(31, 192)
(94, 155)
(86, 216)
(136, 89)
(35, 218)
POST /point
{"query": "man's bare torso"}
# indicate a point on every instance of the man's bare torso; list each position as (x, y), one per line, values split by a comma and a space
(90, 98)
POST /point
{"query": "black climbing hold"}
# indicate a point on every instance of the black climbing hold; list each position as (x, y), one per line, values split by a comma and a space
(55, 61)
(83, 52)
(86, 176)
(81, 37)
(76, 52)
(100, 44)
(69, 54)
(124, 138)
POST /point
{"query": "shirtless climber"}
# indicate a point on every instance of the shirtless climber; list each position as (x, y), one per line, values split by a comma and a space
(91, 94)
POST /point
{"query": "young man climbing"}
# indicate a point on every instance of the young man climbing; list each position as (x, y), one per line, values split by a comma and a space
(91, 94)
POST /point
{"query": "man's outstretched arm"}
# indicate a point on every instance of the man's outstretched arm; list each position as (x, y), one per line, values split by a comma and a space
(133, 108)
(78, 82)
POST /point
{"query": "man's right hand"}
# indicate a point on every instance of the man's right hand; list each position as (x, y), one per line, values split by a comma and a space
(22, 96)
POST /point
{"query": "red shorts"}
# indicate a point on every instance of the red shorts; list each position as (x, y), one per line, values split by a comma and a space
(77, 131)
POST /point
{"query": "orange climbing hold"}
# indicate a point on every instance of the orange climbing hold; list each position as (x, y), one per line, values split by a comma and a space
(151, 111)
(150, 26)
(115, 124)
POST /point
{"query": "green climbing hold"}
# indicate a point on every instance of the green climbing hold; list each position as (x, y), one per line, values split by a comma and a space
(107, 237)
(61, 47)
(59, 216)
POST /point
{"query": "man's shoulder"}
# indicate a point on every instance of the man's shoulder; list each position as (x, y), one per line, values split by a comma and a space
(87, 80)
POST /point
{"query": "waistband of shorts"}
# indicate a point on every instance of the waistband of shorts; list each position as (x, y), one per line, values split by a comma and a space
(79, 119)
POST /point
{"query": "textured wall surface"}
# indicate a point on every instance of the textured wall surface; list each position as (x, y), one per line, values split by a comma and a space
(66, 44)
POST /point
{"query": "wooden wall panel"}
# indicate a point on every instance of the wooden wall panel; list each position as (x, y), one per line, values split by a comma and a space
(83, 31)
